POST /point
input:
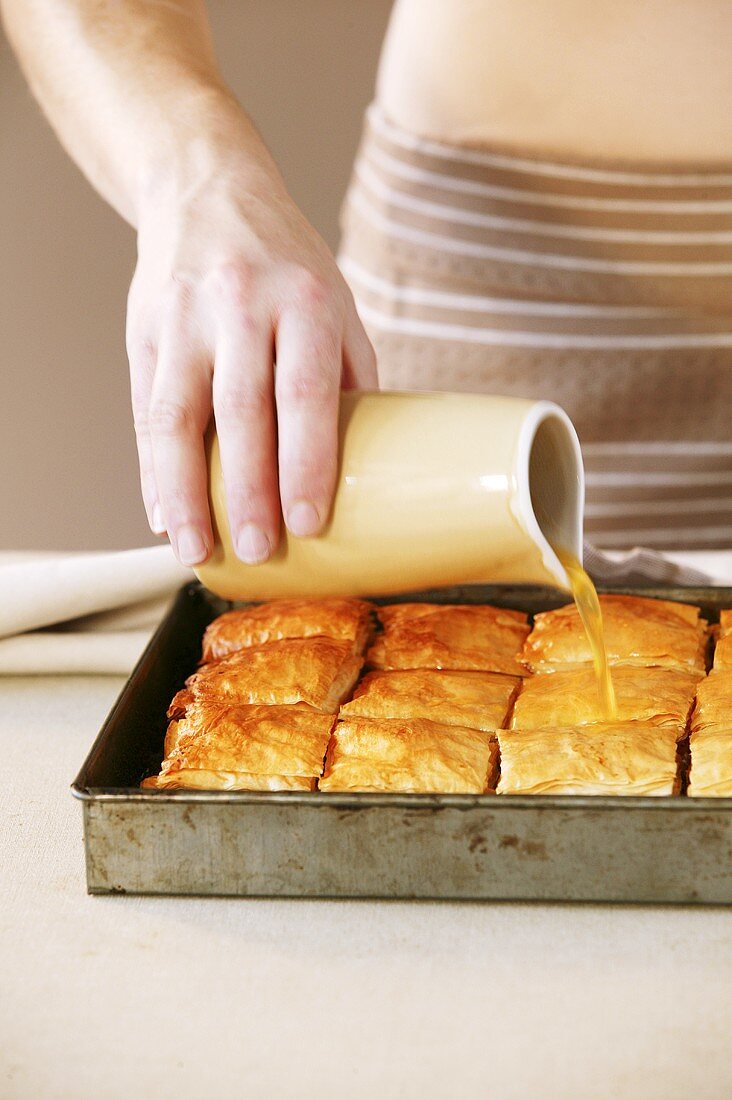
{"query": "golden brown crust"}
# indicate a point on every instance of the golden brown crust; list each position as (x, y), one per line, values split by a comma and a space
(262, 716)
(723, 653)
(479, 700)
(638, 631)
(416, 756)
(711, 763)
(180, 703)
(376, 654)
(445, 636)
(711, 730)
(723, 648)
(215, 747)
(617, 758)
(343, 620)
(288, 740)
(171, 736)
(316, 671)
(200, 780)
(713, 707)
(663, 696)
(392, 614)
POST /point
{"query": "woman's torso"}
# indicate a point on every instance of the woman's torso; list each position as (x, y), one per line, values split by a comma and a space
(642, 81)
(583, 253)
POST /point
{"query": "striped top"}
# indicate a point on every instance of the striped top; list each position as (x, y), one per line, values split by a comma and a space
(605, 289)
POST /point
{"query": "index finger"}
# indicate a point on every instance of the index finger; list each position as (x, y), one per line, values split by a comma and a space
(180, 408)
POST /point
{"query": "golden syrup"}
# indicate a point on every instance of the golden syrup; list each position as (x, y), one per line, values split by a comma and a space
(588, 606)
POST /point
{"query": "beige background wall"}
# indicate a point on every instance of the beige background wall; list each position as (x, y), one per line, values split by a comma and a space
(68, 475)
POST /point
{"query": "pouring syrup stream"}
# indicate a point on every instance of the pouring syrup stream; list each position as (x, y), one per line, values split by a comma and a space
(588, 606)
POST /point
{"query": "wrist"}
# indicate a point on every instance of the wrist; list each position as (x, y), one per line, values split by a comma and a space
(207, 139)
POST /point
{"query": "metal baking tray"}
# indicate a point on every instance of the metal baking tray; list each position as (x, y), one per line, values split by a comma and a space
(293, 844)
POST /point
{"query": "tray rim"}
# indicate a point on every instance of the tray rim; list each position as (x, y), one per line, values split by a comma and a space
(369, 800)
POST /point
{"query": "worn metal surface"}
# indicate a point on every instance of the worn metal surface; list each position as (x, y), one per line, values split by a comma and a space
(429, 848)
(350, 845)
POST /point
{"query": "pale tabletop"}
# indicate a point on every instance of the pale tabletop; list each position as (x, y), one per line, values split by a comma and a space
(116, 997)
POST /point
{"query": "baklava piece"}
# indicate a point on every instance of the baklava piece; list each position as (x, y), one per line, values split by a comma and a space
(245, 748)
(480, 700)
(416, 756)
(458, 637)
(713, 707)
(316, 671)
(663, 696)
(711, 764)
(711, 737)
(638, 631)
(343, 620)
(613, 758)
(723, 648)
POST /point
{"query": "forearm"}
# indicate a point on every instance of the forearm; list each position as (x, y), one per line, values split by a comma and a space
(134, 93)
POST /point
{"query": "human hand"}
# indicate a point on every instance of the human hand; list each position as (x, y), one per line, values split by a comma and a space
(231, 278)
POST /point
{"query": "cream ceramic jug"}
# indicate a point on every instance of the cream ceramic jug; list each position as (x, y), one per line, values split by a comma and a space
(433, 489)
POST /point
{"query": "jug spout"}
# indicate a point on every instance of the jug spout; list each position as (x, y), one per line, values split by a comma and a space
(551, 487)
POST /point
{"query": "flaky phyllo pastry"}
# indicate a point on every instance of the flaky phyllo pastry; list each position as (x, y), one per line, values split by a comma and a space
(244, 748)
(663, 696)
(638, 631)
(415, 756)
(711, 737)
(713, 707)
(343, 620)
(618, 758)
(316, 671)
(723, 648)
(480, 700)
(459, 637)
(262, 712)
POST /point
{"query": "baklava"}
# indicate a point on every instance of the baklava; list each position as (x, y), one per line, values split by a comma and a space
(480, 700)
(444, 636)
(713, 707)
(262, 712)
(245, 748)
(638, 631)
(723, 648)
(343, 620)
(612, 758)
(316, 671)
(416, 756)
(711, 737)
(711, 764)
(663, 696)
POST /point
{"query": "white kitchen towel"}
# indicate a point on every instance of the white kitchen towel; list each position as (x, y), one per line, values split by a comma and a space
(52, 653)
(41, 591)
(642, 567)
(83, 613)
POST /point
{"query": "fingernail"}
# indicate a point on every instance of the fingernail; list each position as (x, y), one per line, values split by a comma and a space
(157, 523)
(303, 520)
(192, 548)
(252, 545)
